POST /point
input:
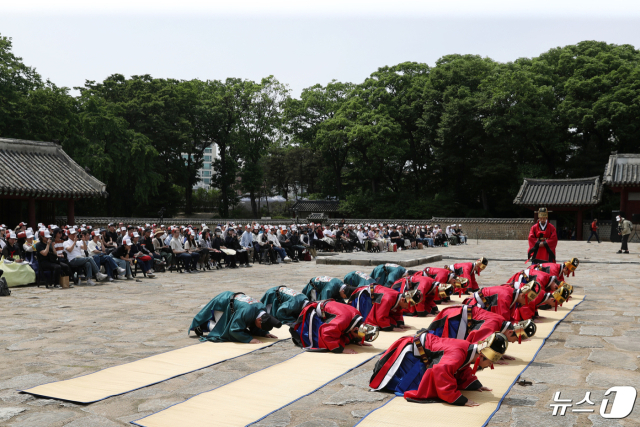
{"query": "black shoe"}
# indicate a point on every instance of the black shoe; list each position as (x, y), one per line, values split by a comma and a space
(619, 252)
(198, 331)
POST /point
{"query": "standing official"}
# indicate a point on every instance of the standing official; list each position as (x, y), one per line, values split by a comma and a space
(543, 239)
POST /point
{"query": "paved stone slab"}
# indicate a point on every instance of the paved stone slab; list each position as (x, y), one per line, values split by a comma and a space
(351, 394)
(574, 341)
(8, 413)
(554, 374)
(613, 359)
(520, 400)
(318, 423)
(361, 380)
(26, 381)
(533, 417)
(598, 421)
(277, 419)
(598, 331)
(330, 413)
(360, 413)
(42, 419)
(609, 378)
(625, 343)
(92, 421)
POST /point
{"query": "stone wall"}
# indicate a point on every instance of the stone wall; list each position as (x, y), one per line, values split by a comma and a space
(474, 228)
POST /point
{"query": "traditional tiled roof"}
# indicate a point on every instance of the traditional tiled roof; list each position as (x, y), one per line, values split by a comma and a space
(316, 206)
(560, 192)
(43, 169)
(622, 170)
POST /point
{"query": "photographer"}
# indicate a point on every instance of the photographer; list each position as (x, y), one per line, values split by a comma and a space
(266, 248)
(624, 230)
(77, 254)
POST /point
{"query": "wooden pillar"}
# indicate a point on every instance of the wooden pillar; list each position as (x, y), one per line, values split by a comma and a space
(71, 215)
(579, 225)
(624, 195)
(32, 213)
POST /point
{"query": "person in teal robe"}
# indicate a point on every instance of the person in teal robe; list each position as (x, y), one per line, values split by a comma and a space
(233, 316)
(324, 287)
(387, 274)
(358, 279)
(284, 303)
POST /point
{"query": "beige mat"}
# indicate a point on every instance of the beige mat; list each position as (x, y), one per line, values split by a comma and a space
(145, 372)
(394, 413)
(255, 396)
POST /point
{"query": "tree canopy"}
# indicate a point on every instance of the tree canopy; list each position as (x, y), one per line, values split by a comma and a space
(410, 141)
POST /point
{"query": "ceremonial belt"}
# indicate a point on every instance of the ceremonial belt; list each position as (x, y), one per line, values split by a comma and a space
(371, 288)
(278, 295)
(464, 322)
(424, 357)
(480, 299)
(533, 252)
(231, 302)
(315, 290)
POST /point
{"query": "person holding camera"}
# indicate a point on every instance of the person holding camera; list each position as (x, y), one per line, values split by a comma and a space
(543, 240)
(624, 230)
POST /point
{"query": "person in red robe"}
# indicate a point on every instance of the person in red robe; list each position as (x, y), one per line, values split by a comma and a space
(331, 326)
(468, 270)
(543, 240)
(548, 283)
(504, 300)
(384, 307)
(424, 368)
(444, 275)
(474, 324)
(559, 270)
(429, 288)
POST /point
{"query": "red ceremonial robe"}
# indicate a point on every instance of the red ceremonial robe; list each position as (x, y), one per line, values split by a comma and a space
(385, 312)
(549, 233)
(529, 311)
(338, 320)
(451, 370)
(467, 270)
(426, 285)
(498, 299)
(481, 324)
(440, 275)
(553, 269)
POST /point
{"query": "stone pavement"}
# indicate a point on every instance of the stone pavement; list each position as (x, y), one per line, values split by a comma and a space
(50, 335)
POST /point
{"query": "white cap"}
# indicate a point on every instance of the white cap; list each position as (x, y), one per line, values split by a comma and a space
(618, 218)
(123, 229)
(135, 234)
(29, 234)
(73, 231)
(12, 235)
(47, 234)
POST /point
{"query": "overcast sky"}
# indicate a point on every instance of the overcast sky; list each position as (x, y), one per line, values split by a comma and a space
(300, 42)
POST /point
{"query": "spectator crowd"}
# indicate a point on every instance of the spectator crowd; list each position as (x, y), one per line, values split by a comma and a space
(88, 255)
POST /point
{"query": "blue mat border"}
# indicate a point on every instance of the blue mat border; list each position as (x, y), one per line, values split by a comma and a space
(514, 381)
(147, 385)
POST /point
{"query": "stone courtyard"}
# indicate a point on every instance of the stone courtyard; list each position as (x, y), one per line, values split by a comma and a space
(51, 335)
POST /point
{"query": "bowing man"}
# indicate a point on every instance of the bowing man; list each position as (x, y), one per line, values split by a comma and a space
(234, 317)
(424, 368)
(504, 300)
(321, 288)
(331, 326)
(284, 303)
(384, 307)
(387, 274)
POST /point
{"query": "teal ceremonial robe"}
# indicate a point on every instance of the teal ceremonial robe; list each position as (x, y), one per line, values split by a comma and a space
(322, 288)
(225, 324)
(284, 303)
(387, 274)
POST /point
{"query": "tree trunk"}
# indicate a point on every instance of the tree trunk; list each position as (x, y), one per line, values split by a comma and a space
(188, 197)
(254, 205)
(223, 180)
(485, 200)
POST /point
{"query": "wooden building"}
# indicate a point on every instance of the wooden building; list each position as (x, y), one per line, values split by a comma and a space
(561, 195)
(34, 176)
